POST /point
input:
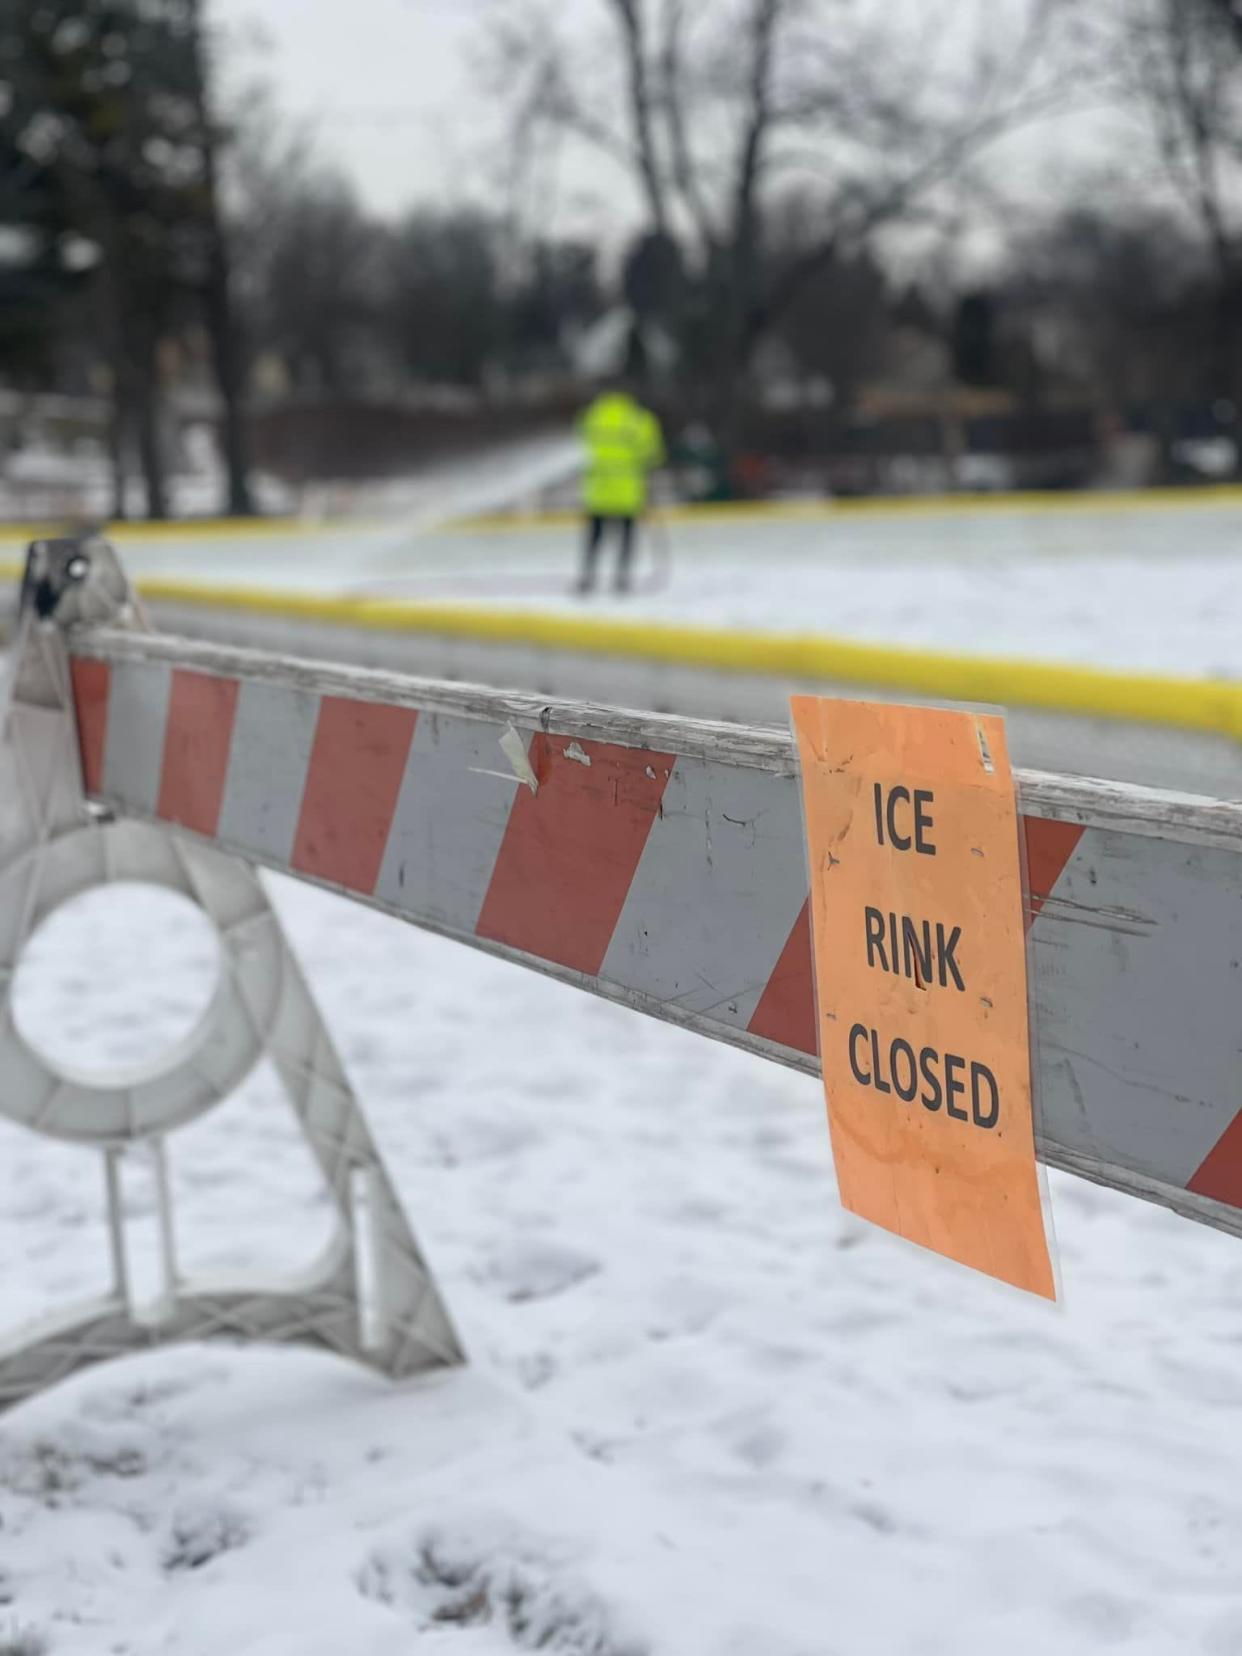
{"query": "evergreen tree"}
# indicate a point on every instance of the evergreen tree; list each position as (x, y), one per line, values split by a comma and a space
(103, 130)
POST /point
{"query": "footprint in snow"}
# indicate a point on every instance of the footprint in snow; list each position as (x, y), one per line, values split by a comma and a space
(538, 1270)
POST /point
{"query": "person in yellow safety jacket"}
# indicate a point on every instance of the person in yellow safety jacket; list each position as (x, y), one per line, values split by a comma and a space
(623, 443)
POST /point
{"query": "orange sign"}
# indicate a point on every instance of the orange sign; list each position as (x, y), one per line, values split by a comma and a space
(920, 968)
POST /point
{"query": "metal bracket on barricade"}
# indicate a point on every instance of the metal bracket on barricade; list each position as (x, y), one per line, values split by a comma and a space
(371, 1294)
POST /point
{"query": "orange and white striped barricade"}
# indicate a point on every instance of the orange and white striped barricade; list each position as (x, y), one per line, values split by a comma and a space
(660, 862)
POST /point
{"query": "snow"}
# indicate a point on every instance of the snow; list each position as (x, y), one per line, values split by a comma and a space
(707, 1413)
(41, 481)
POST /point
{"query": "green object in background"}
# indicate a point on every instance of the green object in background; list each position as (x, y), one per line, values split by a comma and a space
(703, 470)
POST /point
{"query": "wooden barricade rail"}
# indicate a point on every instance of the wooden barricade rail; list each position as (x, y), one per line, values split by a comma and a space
(659, 861)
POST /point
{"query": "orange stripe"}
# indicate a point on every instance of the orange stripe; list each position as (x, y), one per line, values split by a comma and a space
(1219, 1175)
(570, 850)
(786, 1010)
(91, 681)
(1049, 846)
(352, 782)
(201, 710)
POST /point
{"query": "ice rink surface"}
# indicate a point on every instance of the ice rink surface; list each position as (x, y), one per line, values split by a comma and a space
(1142, 587)
(707, 1413)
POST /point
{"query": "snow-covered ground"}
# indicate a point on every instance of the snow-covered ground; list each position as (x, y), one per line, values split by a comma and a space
(707, 1413)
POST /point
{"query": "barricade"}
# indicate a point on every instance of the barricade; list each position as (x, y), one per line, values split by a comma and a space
(370, 1295)
(654, 860)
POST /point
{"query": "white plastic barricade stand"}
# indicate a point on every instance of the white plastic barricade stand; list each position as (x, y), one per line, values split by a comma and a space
(371, 1295)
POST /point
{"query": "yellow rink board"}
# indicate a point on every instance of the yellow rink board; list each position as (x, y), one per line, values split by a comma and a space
(890, 506)
(1189, 704)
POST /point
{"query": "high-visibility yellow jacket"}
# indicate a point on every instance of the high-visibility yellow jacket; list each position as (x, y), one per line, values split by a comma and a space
(623, 442)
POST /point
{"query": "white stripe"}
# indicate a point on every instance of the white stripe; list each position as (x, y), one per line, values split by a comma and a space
(451, 815)
(1138, 1016)
(273, 734)
(698, 929)
(137, 716)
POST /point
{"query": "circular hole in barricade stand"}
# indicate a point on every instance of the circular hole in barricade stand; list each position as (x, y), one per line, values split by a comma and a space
(114, 983)
(69, 1089)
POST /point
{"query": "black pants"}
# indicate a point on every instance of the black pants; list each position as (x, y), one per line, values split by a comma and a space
(595, 527)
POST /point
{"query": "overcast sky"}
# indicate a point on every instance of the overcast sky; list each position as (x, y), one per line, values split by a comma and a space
(389, 83)
(398, 106)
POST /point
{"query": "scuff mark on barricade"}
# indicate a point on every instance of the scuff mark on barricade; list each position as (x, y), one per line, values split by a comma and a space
(575, 752)
(1109, 917)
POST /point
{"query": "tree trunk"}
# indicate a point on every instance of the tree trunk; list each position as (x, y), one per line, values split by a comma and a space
(152, 458)
(1227, 376)
(733, 378)
(110, 322)
(221, 320)
(229, 377)
(141, 394)
(117, 425)
(731, 413)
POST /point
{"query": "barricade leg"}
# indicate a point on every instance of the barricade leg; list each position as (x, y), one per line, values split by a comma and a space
(371, 1294)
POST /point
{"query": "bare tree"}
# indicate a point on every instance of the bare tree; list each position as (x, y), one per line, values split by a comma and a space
(315, 284)
(1231, 11)
(1182, 63)
(714, 110)
(1117, 294)
(218, 306)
